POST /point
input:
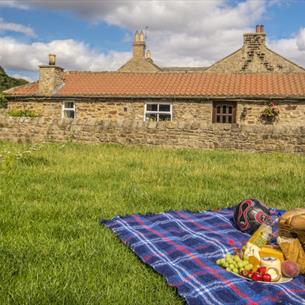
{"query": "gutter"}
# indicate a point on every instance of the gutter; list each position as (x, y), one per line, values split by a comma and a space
(38, 98)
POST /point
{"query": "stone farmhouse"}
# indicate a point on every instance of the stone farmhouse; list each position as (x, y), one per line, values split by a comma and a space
(253, 94)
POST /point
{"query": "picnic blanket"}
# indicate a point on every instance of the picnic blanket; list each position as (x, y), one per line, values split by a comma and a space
(183, 246)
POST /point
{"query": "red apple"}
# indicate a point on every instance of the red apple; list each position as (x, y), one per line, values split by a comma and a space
(266, 277)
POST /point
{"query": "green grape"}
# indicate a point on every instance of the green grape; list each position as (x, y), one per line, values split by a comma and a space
(249, 267)
(229, 269)
(218, 262)
(232, 266)
(235, 270)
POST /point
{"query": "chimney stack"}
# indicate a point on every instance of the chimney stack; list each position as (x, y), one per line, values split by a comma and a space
(139, 45)
(255, 40)
(148, 56)
(51, 77)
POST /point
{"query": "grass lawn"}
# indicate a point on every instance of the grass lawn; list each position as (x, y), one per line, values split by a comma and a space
(52, 249)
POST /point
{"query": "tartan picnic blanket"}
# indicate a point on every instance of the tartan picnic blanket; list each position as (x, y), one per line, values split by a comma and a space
(183, 246)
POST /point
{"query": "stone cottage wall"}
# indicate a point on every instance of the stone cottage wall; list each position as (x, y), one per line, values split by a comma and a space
(292, 113)
(169, 134)
(45, 109)
(115, 109)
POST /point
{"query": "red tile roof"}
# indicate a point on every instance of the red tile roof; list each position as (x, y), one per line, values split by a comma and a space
(28, 89)
(195, 84)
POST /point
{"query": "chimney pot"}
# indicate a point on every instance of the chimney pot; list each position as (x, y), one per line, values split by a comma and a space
(142, 36)
(139, 45)
(262, 28)
(52, 59)
(136, 36)
(257, 29)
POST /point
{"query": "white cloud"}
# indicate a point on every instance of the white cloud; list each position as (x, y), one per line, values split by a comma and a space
(300, 40)
(16, 27)
(13, 3)
(292, 48)
(18, 76)
(181, 33)
(71, 54)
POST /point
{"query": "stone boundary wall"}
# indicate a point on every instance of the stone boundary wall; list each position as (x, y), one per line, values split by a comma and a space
(169, 134)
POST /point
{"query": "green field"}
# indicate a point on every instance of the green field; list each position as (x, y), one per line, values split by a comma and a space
(52, 248)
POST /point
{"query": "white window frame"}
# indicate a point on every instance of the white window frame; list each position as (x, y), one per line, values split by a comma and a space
(63, 109)
(158, 112)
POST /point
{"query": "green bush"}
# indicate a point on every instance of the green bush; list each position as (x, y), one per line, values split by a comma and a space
(3, 100)
(23, 113)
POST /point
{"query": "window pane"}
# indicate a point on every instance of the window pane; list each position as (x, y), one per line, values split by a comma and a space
(152, 107)
(164, 117)
(69, 114)
(224, 113)
(164, 108)
(151, 117)
(69, 105)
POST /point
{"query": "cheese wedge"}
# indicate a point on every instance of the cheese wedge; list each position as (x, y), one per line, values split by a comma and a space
(252, 250)
(266, 251)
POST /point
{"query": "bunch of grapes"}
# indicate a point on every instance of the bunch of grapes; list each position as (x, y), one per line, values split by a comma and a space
(233, 263)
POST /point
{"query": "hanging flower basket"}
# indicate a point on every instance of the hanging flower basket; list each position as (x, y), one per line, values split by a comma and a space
(270, 114)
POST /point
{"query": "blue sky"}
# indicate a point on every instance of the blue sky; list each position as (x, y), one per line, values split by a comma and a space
(97, 35)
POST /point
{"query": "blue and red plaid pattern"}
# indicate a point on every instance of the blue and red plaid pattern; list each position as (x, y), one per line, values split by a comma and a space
(183, 246)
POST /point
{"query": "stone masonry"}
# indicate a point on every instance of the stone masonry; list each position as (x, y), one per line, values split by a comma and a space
(50, 78)
(168, 134)
(292, 113)
(254, 56)
(141, 60)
